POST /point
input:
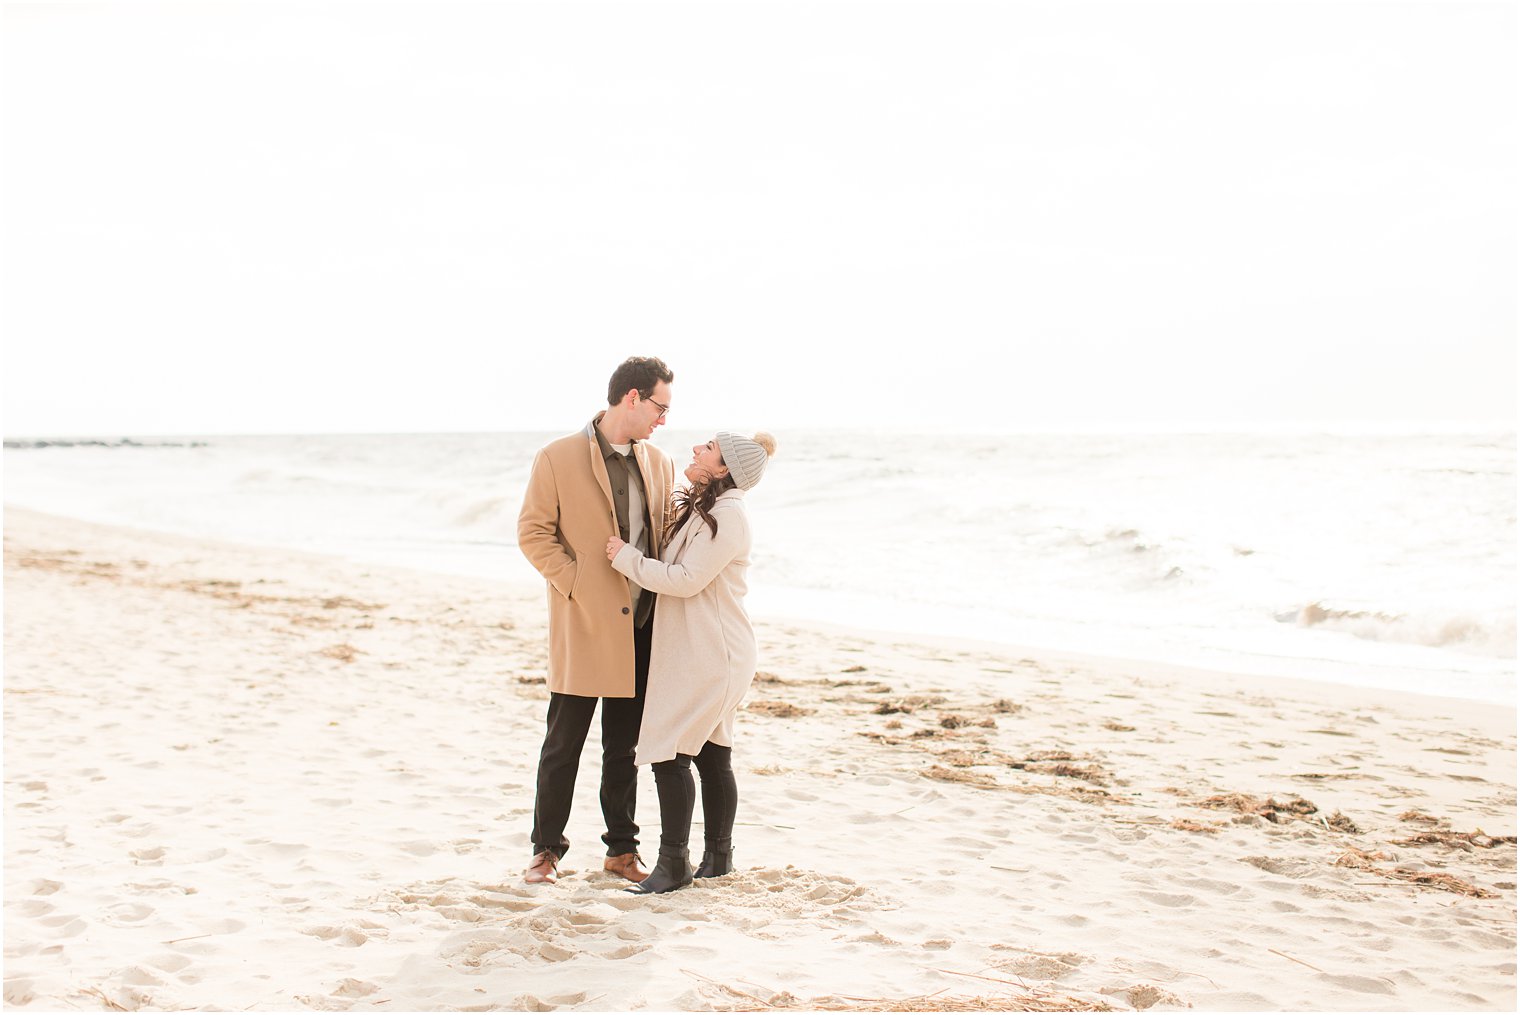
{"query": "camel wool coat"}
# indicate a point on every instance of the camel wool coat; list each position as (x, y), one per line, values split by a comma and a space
(566, 519)
(703, 657)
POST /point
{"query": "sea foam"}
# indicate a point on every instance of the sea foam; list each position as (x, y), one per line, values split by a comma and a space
(1386, 554)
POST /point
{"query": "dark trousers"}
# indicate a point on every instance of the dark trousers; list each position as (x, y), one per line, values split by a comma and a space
(678, 798)
(568, 722)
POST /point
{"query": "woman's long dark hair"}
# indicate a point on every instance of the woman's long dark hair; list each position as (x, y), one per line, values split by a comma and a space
(700, 497)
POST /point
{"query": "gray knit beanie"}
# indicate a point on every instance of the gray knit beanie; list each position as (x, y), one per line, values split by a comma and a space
(746, 456)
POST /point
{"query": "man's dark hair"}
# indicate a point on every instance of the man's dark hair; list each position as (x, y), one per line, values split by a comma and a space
(641, 373)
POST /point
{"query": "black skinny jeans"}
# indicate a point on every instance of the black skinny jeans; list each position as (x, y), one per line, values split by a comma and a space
(678, 798)
(568, 722)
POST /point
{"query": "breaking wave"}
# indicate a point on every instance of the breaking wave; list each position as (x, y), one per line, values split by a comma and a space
(1490, 634)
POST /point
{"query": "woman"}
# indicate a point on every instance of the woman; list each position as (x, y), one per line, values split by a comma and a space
(703, 656)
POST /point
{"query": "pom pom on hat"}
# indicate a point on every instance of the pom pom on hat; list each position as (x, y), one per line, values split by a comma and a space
(746, 456)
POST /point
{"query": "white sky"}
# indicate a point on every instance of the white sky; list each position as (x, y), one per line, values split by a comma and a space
(936, 216)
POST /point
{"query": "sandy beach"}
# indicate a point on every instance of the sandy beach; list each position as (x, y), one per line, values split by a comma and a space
(244, 778)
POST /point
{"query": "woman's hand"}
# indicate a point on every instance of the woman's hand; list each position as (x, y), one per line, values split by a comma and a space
(613, 546)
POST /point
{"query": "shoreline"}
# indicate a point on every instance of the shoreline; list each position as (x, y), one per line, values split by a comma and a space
(239, 777)
(1197, 673)
(526, 583)
(1198, 676)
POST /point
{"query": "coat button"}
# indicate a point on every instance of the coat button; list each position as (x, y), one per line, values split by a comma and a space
(625, 609)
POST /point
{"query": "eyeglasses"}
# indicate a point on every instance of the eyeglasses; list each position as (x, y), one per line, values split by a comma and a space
(664, 409)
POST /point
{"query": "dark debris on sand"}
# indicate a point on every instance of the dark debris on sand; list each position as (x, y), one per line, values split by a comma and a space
(778, 709)
(1366, 860)
(1457, 840)
(1273, 810)
(909, 704)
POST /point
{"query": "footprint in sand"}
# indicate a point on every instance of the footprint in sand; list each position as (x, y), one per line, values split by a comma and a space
(19, 992)
(876, 937)
(552, 952)
(495, 901)
(349, 987)
(161, 885)
(64, 925)
(462, 914)
(1041, 965)
(129, 912)
(1361, 984)
(347, 936)
(1208, 885)
(590, 918)
(1145, 995)
(870, 818)
(137, 976)
(625, 903)
(206, 855)
(218, 927)
(268, 846)
(169, 962)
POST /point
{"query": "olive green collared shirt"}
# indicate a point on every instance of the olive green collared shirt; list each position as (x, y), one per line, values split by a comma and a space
(628, 489)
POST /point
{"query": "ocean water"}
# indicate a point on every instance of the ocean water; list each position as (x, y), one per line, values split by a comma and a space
(1379, 561)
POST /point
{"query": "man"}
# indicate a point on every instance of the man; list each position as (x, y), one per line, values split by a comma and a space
(583, 489)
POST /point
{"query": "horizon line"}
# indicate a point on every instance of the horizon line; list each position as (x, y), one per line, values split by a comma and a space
(1350, 428)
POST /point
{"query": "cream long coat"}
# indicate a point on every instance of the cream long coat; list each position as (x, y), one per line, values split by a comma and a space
(567, 517)
(703, 657)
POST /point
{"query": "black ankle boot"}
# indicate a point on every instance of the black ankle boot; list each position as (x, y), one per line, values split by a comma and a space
(716, 863)
(672, 871)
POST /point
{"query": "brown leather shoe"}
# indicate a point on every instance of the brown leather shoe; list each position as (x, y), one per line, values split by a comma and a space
(544, 869)
(628, 866)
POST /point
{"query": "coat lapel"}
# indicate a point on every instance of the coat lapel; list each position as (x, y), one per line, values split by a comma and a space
(655, 505)
(678, 544)
(599, 470)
